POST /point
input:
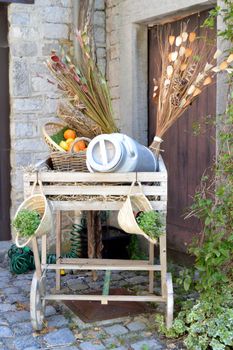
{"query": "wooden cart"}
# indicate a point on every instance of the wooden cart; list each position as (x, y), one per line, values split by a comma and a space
(97, 191)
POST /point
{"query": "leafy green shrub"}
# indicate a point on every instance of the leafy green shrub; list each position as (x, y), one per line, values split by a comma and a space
(27, 222)
(151, 223)
(207, 322)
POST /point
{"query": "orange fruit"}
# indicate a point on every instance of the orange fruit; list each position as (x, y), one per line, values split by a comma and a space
(69, 134)
(79, 146)
(76, 148)
(69, 142)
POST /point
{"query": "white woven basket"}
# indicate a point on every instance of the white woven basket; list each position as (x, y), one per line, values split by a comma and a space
(134, 203)
(39, 203)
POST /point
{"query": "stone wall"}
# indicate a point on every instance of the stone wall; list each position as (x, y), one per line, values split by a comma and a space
(113, 54)
(33, 31)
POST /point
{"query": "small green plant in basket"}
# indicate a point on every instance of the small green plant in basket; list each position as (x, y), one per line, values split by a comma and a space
(27, 222)
(151, 223)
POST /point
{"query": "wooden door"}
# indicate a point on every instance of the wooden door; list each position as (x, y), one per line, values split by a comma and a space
(4, 127)
(186, 156)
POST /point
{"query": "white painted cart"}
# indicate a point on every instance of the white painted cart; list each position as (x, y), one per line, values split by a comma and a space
(97, 191)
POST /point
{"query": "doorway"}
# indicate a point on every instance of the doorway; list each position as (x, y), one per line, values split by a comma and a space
(186, 155)
(5, 188)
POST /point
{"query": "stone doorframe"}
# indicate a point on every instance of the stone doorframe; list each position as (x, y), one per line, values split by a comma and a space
(135, 17)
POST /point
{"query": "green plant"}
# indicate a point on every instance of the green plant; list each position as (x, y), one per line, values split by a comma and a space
(27, 222)
(134, 250)
(151, 223)
(59, 136)
(207, 322)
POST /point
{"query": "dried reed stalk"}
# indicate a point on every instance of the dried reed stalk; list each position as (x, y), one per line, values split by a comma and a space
(188, 68)
(84, 87)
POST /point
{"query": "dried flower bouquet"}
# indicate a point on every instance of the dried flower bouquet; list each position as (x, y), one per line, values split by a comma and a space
(189, 65)
(85, 91)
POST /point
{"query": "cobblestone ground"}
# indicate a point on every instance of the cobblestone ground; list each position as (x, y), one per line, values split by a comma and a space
(66, 331)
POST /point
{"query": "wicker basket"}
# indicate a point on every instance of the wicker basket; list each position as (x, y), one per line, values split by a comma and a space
(75, 119)
(50, 129)
(70, 161)
(39, 203)
(126, 219)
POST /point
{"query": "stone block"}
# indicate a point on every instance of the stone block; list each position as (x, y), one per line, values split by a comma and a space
(114, 52)
(114, 37)
(25, 341)
(56, 14)
(25, 130)
(136, 326)
(87, 345)
(16, 317)
(50, 310)
(150, 344)
(74, 285)
(57, 321)
(20, 76)
(5, 332)
(138, 280)
(60, 337)
(51, 105)
(32, 145)
(99, 19)
(99, 35)
(102, 66)
(113, 73)
(27, 104)
(100, 52)
(100, 5)
(48, 47)
(23, 328)
(20, 18)
(63, 3)
(24, 33)
(7, 307)
(116, 330)
(40, 84)
(115, 92)
(55, 31)
(24, 49)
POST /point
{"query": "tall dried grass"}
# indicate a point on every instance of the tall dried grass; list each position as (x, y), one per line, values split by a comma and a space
(188, 67)
(83, 87)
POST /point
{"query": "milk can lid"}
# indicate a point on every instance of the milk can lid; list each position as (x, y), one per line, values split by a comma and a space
(104, 152)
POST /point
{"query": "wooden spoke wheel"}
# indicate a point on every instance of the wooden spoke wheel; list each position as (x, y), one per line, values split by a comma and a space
(37, 302)
(170, 301)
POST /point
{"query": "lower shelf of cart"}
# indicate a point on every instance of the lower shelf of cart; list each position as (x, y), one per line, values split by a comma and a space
(102, 264)
(106, 298)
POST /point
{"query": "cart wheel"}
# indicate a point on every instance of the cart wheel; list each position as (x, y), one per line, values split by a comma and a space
(37, 303)
(170, 301)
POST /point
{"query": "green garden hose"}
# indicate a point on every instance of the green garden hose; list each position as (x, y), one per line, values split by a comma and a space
(22, 259)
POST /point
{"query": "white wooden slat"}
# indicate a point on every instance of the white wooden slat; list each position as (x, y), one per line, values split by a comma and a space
(99, 205)
(109, 262)
(105, 298)
(119, 267)
(51, 176)
(102, 190)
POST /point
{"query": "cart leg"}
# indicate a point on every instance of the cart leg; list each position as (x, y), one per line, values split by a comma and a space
(36, 257)
(44, 249)
(163, 263)
(151, 273)
(170, 301)
(58, 248)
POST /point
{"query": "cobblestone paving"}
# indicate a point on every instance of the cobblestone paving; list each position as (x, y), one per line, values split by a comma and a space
(65, 331)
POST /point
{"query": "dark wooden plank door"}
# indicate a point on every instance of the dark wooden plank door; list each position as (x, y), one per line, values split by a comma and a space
(186, 156)
(5, 233)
